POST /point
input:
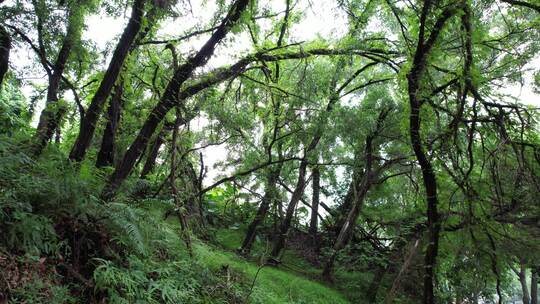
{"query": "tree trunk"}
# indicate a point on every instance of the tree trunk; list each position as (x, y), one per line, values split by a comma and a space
(279, 243)
(414, 76)
(90, 119)
(348, 201)
(194, 201)
(153, 151)
(494, 267)
(358, 191)
(5, 47)
(172, 179)
(316, 188)
(171, 97)
(523, 281)
(397, 281)
(52, 113)
(534, 286)
(268, 198)
(107, 151)
(430, 186)
(348, 227)
(375, 284)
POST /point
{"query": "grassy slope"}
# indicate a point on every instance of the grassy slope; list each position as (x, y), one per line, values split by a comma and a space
(273, 285)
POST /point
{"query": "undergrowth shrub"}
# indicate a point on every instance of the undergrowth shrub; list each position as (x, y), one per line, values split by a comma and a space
(74, 248)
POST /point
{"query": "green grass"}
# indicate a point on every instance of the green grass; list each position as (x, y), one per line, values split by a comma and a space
(273, 285)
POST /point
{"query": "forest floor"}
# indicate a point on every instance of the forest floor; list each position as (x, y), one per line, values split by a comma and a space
(295, 281)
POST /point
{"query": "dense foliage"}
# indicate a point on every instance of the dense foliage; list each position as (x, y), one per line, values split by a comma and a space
(209, 153)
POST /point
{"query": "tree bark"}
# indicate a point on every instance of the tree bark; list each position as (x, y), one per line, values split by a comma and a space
(360, 191)
(107, 151)
(316, 188)
(172, 179)
(534, 286)
(375, 284)
(5, 48)
(414, 76)
(397, 281)
(523, 281)
(279, 243)
(171, 97)
(348, 201)
(348, 227)
(267, 200)
(89, 121)
(52, 113)
(153, 151)
(494, 267)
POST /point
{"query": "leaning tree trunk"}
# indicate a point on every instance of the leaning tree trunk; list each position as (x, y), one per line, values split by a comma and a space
(279, 243)
(347, 229)
(406, 264)
(153, 151)
(171, 97)
(52, 113)
(316, 188)
(268, 198)
(90, 119)
(346, 205)
(107, 151)
(359, 190)
(5, 47)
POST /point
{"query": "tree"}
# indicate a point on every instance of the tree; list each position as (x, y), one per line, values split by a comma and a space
(171, 97)
(54, 109)
(88, 122)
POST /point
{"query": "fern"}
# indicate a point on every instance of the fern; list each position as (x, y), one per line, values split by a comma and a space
(127, 222)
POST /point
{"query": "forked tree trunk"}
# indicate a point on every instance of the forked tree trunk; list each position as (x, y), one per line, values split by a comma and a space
(52, 113)
(90, 119)
(107, 151)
